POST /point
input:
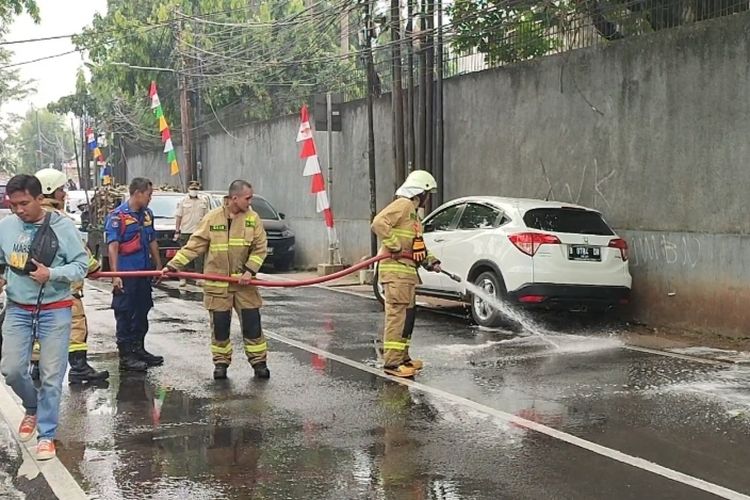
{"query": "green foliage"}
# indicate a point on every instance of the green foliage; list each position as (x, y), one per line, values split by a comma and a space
(82, 103)
(8, 8)
(12, 88)
(41, 139)
(506, 32)
(513, 31)
(260, 59)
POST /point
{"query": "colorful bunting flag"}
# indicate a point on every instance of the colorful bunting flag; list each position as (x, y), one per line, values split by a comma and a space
(166, 136)
(94, 143)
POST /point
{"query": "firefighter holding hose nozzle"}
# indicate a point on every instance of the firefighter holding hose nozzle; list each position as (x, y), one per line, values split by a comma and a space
(399, 227)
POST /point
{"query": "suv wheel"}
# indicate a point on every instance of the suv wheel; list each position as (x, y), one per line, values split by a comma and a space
(482, 312)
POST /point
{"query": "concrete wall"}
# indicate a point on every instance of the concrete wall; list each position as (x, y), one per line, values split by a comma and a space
(652, 131)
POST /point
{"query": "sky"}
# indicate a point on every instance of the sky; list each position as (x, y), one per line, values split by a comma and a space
(53, 78)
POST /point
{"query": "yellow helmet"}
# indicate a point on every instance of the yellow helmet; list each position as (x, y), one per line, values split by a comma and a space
(51, 180)
(416, 183)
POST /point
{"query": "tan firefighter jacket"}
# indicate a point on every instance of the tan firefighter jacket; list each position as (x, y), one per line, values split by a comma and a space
(397, 225)
(232, 246)
(76, 288)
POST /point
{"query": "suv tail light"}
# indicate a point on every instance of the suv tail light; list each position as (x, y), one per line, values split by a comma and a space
(622, 245)
(529, 243)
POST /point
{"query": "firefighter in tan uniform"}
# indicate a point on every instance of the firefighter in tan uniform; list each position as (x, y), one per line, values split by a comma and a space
(400, 229)
(234, 242)
(53, 187)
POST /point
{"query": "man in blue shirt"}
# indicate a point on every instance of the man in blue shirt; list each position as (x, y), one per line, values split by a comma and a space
(131, 243)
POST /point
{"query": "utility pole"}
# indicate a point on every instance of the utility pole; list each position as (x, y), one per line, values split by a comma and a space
(39, 153)
(84, 179)
(409, 45)
(198, 104)
(421, 94)
(428, 85)
(185, 125)
(397, 103)
(329, 145)
(345, 32)
(369, 26)
(439, 108)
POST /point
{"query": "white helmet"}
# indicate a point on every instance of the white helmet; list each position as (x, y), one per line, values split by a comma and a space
(51, 180)
(417, 182)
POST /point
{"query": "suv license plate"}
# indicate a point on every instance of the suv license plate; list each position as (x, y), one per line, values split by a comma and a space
(582, 252)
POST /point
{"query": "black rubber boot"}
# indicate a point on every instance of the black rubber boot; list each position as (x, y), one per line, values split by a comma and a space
(147, 357)
(129, 361)
(261, 370)
(220, 371)
(81, 371)
(35, 371)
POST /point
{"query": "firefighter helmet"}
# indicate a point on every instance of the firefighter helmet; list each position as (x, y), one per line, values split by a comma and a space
(51, 180)
(417, 182)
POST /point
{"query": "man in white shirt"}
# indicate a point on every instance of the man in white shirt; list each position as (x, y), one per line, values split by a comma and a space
(190, 211)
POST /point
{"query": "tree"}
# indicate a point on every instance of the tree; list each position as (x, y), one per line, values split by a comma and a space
(12, 88)
(263, 57)
(8, 8)
(81, 104)
(514, 31)
(41, 139)
(506, 32)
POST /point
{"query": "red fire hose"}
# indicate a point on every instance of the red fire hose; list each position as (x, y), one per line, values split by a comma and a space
(263, 283)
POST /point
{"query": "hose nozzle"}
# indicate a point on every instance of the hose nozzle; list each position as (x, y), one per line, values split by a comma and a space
(452, 276)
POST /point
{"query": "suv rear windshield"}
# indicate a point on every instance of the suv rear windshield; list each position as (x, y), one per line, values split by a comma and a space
(567, 220)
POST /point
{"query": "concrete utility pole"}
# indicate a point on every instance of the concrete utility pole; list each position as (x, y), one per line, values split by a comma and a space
(439, 107)
(185, 122)
(39, 152)
(345, 33)
(409, 47)
(369, 26)
(397, 102)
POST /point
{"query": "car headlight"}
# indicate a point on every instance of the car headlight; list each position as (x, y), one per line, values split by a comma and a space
(286, 233)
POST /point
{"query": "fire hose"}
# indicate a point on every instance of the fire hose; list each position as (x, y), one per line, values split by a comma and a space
(234, 279)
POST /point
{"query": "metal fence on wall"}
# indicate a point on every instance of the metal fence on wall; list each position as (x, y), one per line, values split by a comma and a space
(521, 35)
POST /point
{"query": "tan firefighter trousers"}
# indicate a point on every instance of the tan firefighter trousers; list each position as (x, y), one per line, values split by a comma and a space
(246, 302)
(399, 322)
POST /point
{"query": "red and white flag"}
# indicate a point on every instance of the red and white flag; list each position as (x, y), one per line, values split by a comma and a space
(309, 153)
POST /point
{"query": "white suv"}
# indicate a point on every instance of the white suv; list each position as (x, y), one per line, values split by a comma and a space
(529, 252)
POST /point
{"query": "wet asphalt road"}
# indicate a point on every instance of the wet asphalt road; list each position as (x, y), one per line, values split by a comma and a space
(324, 429)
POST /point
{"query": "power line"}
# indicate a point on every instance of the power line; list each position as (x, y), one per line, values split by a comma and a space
(53, 56)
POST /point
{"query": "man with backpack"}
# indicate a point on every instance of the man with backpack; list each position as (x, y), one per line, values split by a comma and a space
(42, 254)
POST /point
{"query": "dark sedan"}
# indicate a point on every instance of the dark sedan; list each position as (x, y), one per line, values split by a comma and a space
(281, 241)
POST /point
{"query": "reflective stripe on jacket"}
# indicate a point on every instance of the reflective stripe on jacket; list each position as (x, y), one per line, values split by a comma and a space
(397, 225)
(232, 246)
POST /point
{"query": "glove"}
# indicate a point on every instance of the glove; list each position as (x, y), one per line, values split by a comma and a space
(418, 250)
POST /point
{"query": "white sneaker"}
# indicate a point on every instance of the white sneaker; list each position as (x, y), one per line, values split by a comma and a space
(183, 283)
